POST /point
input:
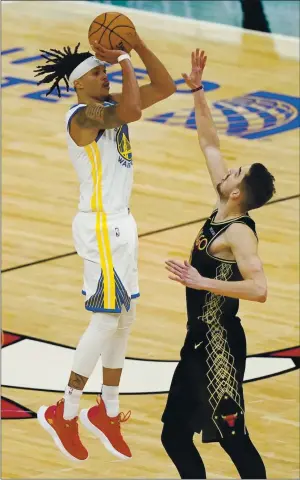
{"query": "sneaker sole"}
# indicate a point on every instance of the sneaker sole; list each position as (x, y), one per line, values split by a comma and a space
(99, 434)
(43, 422)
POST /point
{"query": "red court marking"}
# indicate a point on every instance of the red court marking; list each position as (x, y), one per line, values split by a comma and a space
(291, 352)
(13, 410)
(9, 338)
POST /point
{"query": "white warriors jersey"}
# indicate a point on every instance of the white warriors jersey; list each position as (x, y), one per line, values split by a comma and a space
(104, 168)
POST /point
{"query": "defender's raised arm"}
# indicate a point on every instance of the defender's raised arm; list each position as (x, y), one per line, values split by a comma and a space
(207, 133)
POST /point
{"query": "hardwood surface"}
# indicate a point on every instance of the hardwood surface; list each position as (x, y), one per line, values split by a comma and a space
(172, 187)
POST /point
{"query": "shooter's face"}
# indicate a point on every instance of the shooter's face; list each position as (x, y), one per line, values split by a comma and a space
(94, 83)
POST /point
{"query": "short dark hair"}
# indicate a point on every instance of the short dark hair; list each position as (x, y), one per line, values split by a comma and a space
(258, 186)
(60, 66)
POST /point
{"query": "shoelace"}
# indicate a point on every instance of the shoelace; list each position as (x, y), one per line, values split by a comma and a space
(116, 425)
(122, 417)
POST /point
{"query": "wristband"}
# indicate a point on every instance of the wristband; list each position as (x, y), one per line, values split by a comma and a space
(198, 88)
(125, 56)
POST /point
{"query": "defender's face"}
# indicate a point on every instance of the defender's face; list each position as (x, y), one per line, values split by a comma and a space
(95, 82)
(232, 180)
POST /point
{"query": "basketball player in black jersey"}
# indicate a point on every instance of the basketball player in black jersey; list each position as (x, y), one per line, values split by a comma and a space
(206, 393)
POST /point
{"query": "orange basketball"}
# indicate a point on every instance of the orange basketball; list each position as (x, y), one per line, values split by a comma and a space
(112, 30)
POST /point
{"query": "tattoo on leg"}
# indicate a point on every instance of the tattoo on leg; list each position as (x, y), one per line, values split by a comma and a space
(77, 381)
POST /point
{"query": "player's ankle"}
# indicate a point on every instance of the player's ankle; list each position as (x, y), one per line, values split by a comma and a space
(110, 397)
(71, 405)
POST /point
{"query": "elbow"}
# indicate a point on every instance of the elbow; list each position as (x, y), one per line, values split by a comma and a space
(166, 90)
(262, 295)
(133, 114)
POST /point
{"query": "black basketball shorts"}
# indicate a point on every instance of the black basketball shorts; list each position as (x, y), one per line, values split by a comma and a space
(206, 392)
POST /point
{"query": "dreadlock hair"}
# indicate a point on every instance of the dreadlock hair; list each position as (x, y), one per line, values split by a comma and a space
(61, 66)
(258, 187)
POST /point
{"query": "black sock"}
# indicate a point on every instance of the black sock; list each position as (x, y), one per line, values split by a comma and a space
(245, 457)
(178, 443)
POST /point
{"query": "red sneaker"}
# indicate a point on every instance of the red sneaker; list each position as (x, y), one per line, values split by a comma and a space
(107, 429)
(64, 432)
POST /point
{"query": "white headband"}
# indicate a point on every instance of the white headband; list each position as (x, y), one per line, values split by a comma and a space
(83, 68)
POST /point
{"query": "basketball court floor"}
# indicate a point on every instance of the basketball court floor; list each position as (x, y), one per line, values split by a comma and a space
(252, 83)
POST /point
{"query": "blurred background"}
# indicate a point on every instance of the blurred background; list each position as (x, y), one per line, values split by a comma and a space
(276, 16)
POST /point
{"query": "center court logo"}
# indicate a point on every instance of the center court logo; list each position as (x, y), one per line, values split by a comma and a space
(252, 116)
(124, 147)
(21, 370)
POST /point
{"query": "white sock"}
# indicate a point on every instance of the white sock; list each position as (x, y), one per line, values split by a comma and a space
(72, 400)
(110, 397)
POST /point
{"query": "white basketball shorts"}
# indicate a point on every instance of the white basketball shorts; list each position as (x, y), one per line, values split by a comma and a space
(109, 246)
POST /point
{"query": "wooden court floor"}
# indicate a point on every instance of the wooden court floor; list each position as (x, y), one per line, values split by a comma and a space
(41, 299)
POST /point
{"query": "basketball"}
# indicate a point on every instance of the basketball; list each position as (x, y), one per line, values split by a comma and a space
(112, 30)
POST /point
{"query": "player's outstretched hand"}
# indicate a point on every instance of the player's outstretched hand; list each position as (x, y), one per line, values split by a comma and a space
(198, 60)
(106, 55)
(184, 273)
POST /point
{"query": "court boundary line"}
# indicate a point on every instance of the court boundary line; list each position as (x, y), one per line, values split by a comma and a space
(175, 18)
(22, 408)
(142, 235)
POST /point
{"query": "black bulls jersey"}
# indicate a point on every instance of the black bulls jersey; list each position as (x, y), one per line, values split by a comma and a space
(203, 305)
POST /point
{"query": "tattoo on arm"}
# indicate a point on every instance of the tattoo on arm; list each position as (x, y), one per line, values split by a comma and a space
(77, 381)
(98, 116)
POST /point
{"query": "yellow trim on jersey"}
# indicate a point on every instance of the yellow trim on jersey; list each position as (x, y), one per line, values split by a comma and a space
(102, 235)
(90, 154)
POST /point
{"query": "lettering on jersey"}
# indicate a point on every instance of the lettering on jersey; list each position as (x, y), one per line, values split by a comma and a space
(201, 241)
(117, 232)
(124, 147)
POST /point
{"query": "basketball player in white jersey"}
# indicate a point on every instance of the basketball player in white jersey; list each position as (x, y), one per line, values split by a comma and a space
(104, 231)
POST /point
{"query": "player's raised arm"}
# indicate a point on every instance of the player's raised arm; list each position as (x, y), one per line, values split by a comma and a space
(161, 84)
(128, 109)
(207, 133)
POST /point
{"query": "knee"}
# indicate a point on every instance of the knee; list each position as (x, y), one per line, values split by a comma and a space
(245, 457)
